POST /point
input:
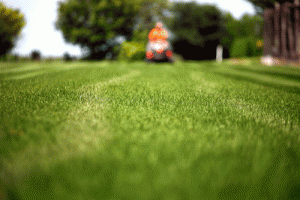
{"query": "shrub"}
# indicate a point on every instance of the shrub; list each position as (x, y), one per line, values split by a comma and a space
(12, 57)
(141, 36)
(132, 51)
(12, 22)
(254, 49)
(25, 58)
(67, 57)
(35, 55)
(245, 47)
(16, 57)
(239, 48)
(178, 57)
(3, 57)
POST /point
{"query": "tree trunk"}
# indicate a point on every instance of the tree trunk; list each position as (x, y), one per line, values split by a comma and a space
(297, 31)
(276, 49)
(291, 50)
(284, 52)
(268, 31)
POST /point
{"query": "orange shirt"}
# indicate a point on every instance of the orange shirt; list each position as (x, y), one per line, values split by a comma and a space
(158, 34)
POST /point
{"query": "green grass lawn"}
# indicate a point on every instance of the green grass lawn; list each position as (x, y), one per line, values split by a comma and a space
(113, 130)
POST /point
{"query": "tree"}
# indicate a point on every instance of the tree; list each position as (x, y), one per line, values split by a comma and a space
(36, 55)
(67, 57)
(149, 13)
(244, 31)
(231, 27)
(252, 25)
(198, 30)
(259, 5)
(94, 24)
(11, 24)
(248, 25)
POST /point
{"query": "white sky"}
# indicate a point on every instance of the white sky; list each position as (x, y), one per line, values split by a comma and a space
(39, 32)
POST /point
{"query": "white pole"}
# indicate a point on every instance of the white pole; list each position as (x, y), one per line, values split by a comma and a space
(219, 56)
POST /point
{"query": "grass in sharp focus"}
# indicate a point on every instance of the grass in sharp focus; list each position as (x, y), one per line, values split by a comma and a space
(138, 131)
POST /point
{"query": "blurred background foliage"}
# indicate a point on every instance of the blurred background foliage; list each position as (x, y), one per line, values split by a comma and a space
(36, 55)
(132, 51)
(262, 4)
(246, 47)
(199, 29)
(11, 24)
(101, 26)
(94, 25)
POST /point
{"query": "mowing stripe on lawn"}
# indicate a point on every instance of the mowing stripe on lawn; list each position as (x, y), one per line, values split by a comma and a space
(161, 131)
(261, 77)
(24, 70)
(248, 108)
(82, 134)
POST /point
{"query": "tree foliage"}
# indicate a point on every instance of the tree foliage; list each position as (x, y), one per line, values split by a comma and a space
(150, 12)
(248, 25)
(93, 23)
(262, 4)
(198, 29)
(196, 23)
(244, 34)
(11, 23)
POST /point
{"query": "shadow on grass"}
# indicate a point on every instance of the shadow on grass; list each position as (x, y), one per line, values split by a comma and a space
(290, 89)
(272, 73)
(283, 177)
(39, 185)
(281, 180)
(104, 178)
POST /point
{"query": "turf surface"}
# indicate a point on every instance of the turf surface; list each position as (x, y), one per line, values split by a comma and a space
(110, 130)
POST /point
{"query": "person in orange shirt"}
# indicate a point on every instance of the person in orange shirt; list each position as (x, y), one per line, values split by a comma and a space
(158, 47)
(158, 33)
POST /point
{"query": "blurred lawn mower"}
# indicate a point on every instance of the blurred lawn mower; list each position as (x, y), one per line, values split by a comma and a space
(159, 51)
(158, 48)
